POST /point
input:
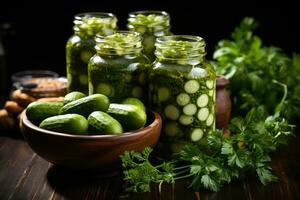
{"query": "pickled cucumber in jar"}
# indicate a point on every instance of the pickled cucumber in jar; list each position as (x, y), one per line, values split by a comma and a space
(80, 47)
(182, 89)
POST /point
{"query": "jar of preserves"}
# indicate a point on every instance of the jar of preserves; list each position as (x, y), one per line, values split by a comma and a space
(182, 88)
(151, 25)
(119, 69)
(80, 47)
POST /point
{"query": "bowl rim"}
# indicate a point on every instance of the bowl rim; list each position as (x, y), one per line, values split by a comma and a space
(157, 120)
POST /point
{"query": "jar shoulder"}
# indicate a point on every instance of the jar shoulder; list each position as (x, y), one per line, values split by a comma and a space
(119, 62)
(76, 40)
(200, 70)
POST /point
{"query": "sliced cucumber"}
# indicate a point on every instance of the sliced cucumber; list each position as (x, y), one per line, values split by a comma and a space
(137, 92)
(163, 94)
(210, 120)
(191, 86)
(186, 119)
(190, 109)
(172, 112)
(202, 100)
(171, 129)
(105, 89)
(183, 99)
(196, 134)
(83, 79)
(203, 114)
(211, 93)
(210, 84)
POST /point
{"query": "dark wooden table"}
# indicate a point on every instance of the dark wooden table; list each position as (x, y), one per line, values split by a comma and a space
(24, 175)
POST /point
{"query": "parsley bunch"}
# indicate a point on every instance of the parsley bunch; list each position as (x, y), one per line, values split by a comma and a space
(265, 94)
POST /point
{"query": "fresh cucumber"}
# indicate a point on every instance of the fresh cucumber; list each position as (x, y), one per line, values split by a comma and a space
(72, 96)
(134, 101)
(86, 105)
(102, 123)
(69, 123)
(38, 111)
(131, 117)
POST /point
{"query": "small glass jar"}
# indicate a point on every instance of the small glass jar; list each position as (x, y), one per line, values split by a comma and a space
(80, 47)
(151, 25)
(119, 69)
(182, 88)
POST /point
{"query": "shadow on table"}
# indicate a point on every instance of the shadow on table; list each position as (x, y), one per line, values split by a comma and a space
(80, 185)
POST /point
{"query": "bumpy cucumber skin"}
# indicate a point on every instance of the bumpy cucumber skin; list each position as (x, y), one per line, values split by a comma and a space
(69, 123)
(131, 117)
(135, 102)
(102, 123)
(86, 105)
(72, 96)
(38, 111)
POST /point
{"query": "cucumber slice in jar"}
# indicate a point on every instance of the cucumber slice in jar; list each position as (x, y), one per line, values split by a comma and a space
(202, 100)
(83, 79)
(191, 86)
(210, 120)
(203, 114)
(190, 109)
(211, 93)
(172, 112)
(182, 99)
(137, 92)
(163, 94)
(186, 119)
(105, 89)
(196, 134)
(210, 84)
(171, 129)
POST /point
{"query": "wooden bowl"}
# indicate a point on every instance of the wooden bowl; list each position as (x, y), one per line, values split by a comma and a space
(90, 152)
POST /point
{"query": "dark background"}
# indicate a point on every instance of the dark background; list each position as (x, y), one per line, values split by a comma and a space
(40, 29)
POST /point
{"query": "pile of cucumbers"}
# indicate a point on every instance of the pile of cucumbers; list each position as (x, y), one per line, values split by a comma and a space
(88, 115)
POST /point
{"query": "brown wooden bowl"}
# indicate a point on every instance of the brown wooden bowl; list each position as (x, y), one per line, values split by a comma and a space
(90, 152)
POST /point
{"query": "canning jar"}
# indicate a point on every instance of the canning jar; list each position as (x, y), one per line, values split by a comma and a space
(151, 25)
(182, 88)
(80, 47)
(119, 69)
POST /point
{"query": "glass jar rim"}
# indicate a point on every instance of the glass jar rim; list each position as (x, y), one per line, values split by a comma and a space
(79, 16)
(196, 42)
(125, 45)
(149, 12)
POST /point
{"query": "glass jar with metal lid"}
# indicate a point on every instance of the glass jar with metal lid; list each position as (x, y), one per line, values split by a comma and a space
(80, 47)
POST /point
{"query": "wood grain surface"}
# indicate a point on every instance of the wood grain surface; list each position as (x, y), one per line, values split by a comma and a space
(24, 175)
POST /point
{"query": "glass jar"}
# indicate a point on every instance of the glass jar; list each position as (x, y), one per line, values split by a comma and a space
(151, 25)
(182, 88)
(119, 69)
(80, 47)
